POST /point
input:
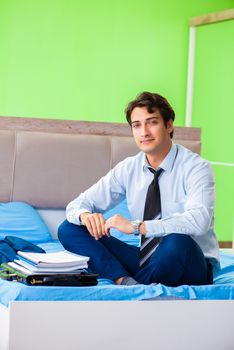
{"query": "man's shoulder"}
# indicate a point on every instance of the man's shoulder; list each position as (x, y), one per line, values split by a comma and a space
(189, 160)
(189, 155)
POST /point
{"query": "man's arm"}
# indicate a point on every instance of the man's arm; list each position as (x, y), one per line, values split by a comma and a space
(197, 217)
(88, 207)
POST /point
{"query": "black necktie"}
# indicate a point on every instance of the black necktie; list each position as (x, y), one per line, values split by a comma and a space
(152, 211)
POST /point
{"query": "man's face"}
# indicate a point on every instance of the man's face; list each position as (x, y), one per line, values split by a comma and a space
(149, 131)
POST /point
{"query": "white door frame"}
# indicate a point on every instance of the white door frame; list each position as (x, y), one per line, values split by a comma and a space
(193, 23)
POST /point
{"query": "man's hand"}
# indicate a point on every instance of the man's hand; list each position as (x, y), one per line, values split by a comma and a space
(95, 224)
(120, 223)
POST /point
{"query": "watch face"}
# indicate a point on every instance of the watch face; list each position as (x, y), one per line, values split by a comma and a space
(136, 224)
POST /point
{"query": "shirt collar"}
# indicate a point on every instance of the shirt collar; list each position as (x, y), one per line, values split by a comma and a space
(167, 162)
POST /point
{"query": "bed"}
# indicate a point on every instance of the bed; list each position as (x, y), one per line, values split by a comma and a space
(44, 165)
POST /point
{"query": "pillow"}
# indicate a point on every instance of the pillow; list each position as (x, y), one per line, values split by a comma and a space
(121, 209)
(21, 220)
(225, 275)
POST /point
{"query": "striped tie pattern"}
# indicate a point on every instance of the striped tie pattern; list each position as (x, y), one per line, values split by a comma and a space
(152, 211)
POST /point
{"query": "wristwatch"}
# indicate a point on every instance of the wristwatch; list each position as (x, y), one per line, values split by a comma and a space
(136, 224)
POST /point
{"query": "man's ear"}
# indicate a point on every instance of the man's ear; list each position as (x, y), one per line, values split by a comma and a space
(170, 126)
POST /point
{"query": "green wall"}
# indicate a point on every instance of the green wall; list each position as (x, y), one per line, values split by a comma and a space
(86, 59)
(72, 59)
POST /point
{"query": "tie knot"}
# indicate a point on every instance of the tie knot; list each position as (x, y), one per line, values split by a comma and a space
(156, 172)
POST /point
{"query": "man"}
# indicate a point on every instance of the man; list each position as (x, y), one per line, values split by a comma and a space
(170, 196)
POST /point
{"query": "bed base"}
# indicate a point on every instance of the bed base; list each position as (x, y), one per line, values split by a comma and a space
(118, 325)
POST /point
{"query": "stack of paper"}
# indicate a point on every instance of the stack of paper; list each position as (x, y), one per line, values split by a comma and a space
(57, 262)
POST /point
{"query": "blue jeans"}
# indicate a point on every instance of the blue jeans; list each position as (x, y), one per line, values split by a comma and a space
(178, 259)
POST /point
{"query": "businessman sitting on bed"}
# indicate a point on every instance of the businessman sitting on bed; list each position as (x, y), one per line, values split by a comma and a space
(170, 196)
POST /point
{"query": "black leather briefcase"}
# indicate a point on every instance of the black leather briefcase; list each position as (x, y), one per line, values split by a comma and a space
(78, 278)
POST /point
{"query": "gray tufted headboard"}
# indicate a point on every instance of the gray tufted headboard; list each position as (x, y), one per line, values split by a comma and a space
(47, 163)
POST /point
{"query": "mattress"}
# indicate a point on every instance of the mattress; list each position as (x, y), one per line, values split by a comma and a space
(222, 289)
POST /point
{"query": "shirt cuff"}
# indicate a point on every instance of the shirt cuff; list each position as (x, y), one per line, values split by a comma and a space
(76, 218)
(154, 228)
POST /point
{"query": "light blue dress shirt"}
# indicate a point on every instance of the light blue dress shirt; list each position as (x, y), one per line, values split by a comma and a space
(187, 196)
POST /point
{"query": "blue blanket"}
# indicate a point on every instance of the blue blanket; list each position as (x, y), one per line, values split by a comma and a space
(223, 287)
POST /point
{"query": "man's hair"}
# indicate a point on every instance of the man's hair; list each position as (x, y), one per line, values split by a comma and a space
(152, 102)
